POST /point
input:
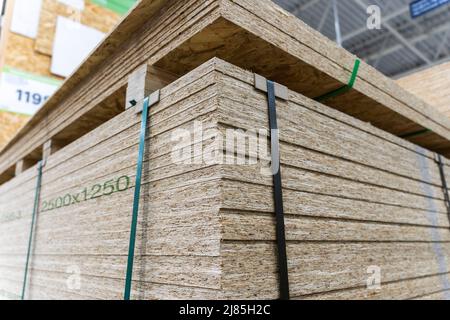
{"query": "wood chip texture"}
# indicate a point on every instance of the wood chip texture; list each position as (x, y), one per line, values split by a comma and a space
(364, 211)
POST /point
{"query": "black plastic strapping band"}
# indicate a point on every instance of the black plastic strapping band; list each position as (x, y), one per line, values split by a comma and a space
(278, 194)
(414, 134)
(444, 182)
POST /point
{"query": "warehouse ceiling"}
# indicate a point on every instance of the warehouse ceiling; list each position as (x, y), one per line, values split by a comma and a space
(402, 45)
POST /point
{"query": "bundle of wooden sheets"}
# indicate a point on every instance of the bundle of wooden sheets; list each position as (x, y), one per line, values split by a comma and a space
(355, 198)
(179, 36)
(365, 212)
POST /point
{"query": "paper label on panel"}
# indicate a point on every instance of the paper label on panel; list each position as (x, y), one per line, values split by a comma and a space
(68, 55)
(24, 93)
(25, 18)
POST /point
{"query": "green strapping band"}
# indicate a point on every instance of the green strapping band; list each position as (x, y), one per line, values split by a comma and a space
(33, 219)
(345, 88)
(137, 194)
(415, 134)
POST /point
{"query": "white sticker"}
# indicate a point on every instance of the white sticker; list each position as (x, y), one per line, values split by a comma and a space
(76, 4)
(24, 93)
(25, 19)
(68, 55)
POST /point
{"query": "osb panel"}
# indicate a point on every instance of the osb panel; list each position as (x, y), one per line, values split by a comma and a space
(109, 66)
(20, 54)
(431, 85)
(58, 121)
(10, 123)
(4, 31)
(93, 16)
(349, 204)
(99, 18)
(111, 150)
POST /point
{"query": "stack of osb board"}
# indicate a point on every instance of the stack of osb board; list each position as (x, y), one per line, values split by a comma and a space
(355, 198)
(361, 204)
(431, 85)
(255, 35)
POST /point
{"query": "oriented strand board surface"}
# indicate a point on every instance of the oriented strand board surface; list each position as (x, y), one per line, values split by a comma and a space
(181, 35)
(92, 16)
(18, 51)
(74, 109)
(99, 226)
(20, 54)
(10, 123)
(34, 55)
(432, 86)
(330, 245)
(206, 227)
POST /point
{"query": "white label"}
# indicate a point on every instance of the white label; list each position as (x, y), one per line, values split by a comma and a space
(76, 4)
(22, 93)
(25, 19)
(68, 55)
